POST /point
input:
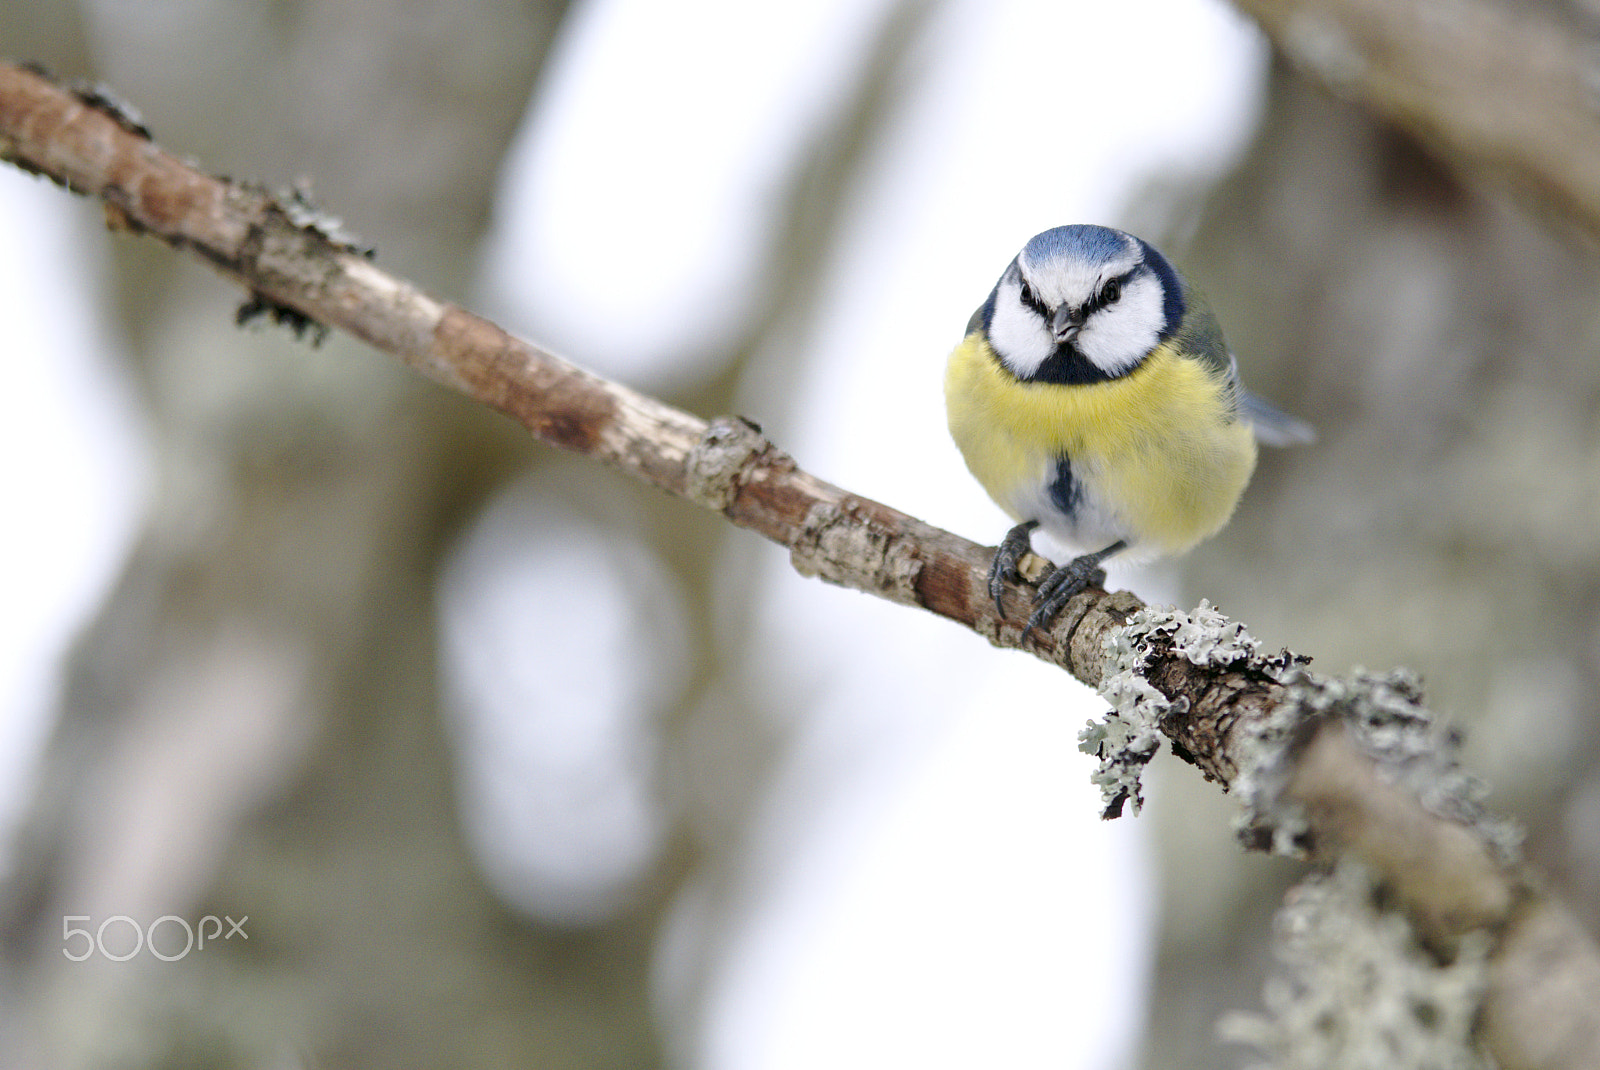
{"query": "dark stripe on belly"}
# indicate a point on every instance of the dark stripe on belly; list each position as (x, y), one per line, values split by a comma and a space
(1066, 493)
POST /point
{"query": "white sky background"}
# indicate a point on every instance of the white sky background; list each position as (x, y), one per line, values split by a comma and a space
(928, 883)
(72, 459)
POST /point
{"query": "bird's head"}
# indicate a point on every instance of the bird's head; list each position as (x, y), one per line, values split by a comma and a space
(1082, 304)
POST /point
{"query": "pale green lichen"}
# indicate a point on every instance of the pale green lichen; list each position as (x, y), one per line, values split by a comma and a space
(1125, 741)
(1361, 991)
(1206, 638)
(1383, 712)
(1131, 733)
(1261, 754)
(1385, 716)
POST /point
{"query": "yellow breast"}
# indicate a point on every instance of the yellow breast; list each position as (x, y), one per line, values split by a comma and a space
(1158, 452)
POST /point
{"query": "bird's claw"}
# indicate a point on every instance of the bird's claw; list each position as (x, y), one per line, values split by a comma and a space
(1006, 557)
(1057, 588)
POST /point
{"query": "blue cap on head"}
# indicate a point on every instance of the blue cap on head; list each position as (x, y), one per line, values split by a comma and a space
(1082, 240)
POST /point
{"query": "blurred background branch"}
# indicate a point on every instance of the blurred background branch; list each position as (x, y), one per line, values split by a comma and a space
(1509, 93)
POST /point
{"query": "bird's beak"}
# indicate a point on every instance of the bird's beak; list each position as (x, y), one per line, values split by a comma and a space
(1066, 322)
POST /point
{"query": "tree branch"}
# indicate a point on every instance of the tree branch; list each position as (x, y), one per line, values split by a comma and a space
(1282, 738)
(298, 268)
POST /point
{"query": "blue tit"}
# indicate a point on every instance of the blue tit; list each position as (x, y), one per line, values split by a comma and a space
(1095, 399)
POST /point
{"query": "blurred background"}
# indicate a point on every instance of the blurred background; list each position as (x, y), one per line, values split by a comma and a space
(508, 762)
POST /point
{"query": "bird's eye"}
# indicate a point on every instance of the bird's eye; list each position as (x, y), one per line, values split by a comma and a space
(1110, 292)
(1027, 295)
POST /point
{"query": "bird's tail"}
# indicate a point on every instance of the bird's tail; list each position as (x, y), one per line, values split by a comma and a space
(1273, 426)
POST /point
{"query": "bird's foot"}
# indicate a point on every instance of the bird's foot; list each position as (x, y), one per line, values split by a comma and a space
(1060, 584)
(1006, 556)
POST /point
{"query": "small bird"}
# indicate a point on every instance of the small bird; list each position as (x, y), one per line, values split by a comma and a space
(1095, 398)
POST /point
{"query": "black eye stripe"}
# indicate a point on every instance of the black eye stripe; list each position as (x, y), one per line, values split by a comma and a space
(1109, 293)
(1031, 300)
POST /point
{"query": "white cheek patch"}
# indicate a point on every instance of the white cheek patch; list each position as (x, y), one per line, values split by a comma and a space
(1117, 337)
(1020, 338)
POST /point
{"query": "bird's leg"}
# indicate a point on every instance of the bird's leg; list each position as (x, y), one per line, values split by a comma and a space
(1064, 582)
(1006, 555)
